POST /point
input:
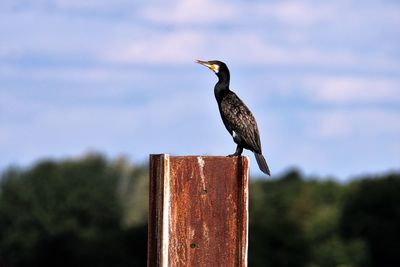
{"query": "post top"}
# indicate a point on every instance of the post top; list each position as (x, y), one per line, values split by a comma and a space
(198, 156)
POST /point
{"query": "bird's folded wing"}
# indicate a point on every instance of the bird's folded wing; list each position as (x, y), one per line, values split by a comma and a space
(241, 121)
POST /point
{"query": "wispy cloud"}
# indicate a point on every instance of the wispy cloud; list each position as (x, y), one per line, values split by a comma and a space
(170, 48)
(353, 90)
(296, 13)
(251, 39)
(354, 124)
(184, 12)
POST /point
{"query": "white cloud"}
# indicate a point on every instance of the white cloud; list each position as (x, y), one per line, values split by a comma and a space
(33, 34)
(171, 48)
(182, 46)
(56, 35)
(207, 12)
(185, 12)
(79, 75)
(296, 13)
(65, 5)
(352, 124)
(292, 14)
(92, 4)
(352, 90)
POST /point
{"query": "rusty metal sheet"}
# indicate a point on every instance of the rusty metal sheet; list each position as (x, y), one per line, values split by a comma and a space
(198, 211)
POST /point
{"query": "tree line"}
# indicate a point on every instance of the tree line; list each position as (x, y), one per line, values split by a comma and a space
(93, 212)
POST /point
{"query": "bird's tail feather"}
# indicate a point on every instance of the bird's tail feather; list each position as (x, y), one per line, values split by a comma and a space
(262, 164)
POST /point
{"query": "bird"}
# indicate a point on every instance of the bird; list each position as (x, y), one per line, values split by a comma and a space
(236, 116)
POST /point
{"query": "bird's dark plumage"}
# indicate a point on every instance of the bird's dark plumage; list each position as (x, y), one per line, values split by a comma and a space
(237, 118)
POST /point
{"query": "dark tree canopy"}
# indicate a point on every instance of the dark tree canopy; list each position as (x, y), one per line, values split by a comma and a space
(372, 213)
(65, 214)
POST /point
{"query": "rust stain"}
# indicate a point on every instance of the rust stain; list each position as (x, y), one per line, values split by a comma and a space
(205, 204)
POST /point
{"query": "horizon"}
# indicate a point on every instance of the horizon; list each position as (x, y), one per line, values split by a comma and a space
(255, 173)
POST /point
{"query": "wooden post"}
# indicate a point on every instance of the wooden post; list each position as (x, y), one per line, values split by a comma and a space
(198, 211)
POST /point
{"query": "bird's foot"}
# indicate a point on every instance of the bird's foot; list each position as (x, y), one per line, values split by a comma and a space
(238, 152)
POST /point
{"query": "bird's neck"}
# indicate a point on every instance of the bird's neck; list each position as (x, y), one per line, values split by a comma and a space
(222, 86)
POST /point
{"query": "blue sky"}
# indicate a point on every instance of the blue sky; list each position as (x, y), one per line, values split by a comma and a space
(321, 77)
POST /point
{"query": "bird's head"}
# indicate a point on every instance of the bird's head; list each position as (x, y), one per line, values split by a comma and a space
(216, 66)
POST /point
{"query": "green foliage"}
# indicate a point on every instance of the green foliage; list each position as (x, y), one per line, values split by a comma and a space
(68, 210)
(271, 224)
(372, 213)
(93, 212)
(295, 223)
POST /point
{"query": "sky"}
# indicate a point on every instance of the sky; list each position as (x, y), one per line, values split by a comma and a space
(321, 77)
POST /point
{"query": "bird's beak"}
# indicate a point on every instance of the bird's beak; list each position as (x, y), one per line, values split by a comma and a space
(204, 63)
(207, 64)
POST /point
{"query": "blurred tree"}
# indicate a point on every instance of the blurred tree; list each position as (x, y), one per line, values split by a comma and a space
(133, 193)
(294, 222)
(372, 213)
(276, 239)
(322, 227)
(66, 214)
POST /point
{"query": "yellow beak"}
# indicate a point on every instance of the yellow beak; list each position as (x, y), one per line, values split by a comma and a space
(207, 64)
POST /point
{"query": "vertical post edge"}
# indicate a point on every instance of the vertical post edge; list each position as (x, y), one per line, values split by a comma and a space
(157, 173)
(244, 172)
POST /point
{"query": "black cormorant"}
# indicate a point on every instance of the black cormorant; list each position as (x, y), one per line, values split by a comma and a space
(237, 118)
